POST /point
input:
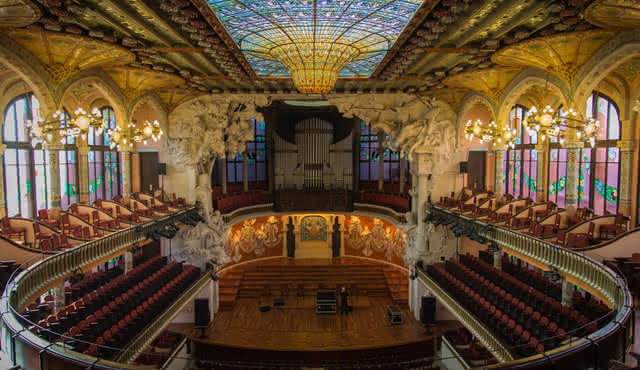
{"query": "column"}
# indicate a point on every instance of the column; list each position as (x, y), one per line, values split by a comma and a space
(58, 292)
(126, 174)
(573, 151)
(500, 171)
(497, 259)
(3, 206)
(342, 232)
(83, 172)
(541, 174)
(490, 180)
(380, 162)
(402, 165)
(424, 167)
(245, 171)
(567, 293)
(223, 173)
(54, 174)
(625, 188)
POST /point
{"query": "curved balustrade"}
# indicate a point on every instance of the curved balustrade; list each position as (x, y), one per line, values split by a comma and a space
(577, 268)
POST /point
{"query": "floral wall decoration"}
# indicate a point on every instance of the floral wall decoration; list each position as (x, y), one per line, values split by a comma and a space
(313, 228)
(374, 238)
(255, 238)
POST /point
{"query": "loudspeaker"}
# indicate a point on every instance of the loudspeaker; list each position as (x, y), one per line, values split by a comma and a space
(203, 316)
(278, 302)
(428, 311)
(162, 169)
(464, 167)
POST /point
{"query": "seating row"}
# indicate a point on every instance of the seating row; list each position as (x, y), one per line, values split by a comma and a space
(231, 202)
(397, 202)
(372, 186)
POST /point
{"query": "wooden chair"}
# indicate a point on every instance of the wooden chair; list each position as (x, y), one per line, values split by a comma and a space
(67, 227)
(11, 232)
(43, 216)
(76, 211)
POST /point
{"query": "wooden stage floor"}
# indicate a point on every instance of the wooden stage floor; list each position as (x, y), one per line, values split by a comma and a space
(297, 327)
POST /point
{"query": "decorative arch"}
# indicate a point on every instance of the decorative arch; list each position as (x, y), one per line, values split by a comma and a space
(524, 81)
(614, 53)
(25, 65)
(469, 101)
(105, 87)
(154, 101)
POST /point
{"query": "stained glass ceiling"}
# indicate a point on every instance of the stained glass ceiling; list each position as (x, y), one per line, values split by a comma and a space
(259, 27)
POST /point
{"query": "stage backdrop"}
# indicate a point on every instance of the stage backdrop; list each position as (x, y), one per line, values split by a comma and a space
(374, 238)
(255, 238)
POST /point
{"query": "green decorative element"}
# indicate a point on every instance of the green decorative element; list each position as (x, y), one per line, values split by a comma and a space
(71, 190)
(611, 192)
(93, 185)
(28, 191)
(558, 186)
(529, 182)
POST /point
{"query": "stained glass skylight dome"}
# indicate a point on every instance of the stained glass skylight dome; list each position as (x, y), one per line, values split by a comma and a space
(314, 41)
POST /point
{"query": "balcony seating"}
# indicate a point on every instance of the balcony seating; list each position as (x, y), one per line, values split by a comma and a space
(38, 236)
(178, 202)
(67, 227)
(103, 224)
(581, 214)
(132, 218)
(76, 212)
(148, 213)
(7, 267)
(524, 221)
(43, 216)
(542, 213)
(98, 204)
(235, 201)
(372, 186)
(481, 212)
(527, 203)
(609, 231)
(398, 203)
(12, 232)
(551, 229)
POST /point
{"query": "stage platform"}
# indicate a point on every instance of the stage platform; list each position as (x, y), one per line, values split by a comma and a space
(296, 332)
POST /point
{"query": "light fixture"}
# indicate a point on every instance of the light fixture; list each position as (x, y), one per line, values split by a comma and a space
(490, 133)
(83, 122)
(127, 137)
(44, 131)
(551, 124)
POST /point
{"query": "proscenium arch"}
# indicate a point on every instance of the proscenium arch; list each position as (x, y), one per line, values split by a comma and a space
(27, 67)
(614, 53)
(522, 83)
(105, 87)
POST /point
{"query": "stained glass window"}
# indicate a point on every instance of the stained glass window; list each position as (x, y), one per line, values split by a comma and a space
(521, 169)
(68, 177)
(599, 173)
(27, 180)
(235, 172)
(105, 181)
(368, 153)
(558, 176)
(257, 153)
(259, 26)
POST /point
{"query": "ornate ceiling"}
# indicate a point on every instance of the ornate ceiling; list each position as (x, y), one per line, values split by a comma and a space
(201, 46)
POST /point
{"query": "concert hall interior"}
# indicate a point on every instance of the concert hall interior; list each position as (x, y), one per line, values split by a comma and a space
(319, 184)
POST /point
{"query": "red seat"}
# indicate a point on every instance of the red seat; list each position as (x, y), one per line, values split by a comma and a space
(43, 216)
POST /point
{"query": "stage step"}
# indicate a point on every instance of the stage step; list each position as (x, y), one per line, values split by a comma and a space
(398, 283)
(228, 287)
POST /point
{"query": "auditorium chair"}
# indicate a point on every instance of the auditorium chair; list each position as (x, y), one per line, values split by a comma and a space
(550, 229)
(38, 236)
(67, 227)
(43, 216)
(608, 231)
(524, 221)
(76, 212)
(12, 232)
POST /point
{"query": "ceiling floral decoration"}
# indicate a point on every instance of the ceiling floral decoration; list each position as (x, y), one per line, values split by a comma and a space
(490, 82)
(614, 13)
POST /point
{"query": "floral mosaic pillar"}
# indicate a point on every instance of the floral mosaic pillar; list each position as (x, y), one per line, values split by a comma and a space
(423, 167)
(573, 151)
(54, 174)
(567, 293)
(83, 173)
(126, 175)
(625, 189)
(542, 150)
(500, 171)
(3, 206)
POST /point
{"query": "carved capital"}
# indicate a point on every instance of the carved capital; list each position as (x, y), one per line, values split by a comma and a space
(626, 145)
(573, 144)
(3, 147)
(636, 105)
(83, 150)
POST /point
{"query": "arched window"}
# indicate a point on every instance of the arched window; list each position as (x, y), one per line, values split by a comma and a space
(557, 191)
(599, 167)
(104, 164)
(68, 159)
(26, 170)
(521, 161)
(257, 154)
(235, 172)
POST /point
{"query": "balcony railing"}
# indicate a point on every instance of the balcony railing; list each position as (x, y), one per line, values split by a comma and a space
(478, 329)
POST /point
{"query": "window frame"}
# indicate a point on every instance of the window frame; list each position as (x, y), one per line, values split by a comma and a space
(519, 150)
(104, 151)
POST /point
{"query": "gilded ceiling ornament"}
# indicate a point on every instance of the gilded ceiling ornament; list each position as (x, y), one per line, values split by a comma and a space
(18, 13)
(630, 69)
(561, 54)
(614, 13)
(490, 82)
(135, 82)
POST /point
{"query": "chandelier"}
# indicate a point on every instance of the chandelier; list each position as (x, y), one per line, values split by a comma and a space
(125, 138)
(315, 64)
(490, 133)
(55, 129)
(552, 124)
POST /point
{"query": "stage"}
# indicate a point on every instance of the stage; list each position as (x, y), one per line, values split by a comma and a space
(296, 332)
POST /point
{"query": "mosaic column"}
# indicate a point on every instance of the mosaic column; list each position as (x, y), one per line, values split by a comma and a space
(542, 150)
(490, 183)
(500, 171)
(245, 171)
(380, 163)
(223, 174)
(83, 173)
(126, 174)
(54, 174)
(567, 293)
(424, 166)
(3, 206)
(402, 174)
(497, 259)
(573, 151)
(625, 188)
